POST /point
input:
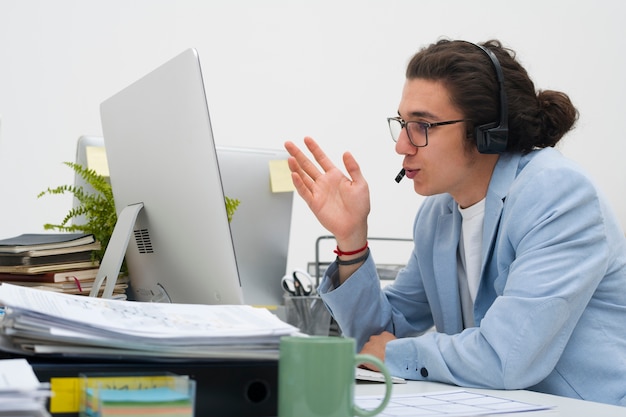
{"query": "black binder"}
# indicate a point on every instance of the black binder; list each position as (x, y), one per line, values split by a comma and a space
(237, 388)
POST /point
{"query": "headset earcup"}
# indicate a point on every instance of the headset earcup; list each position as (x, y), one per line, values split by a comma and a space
(481, 136)
(490, 138)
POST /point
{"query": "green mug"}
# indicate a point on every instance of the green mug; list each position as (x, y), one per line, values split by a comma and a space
(316, 377)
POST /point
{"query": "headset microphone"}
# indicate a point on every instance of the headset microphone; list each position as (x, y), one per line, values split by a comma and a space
(400, 175)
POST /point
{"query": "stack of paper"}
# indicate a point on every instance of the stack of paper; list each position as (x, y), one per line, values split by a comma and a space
(21, 394)
(44, 322)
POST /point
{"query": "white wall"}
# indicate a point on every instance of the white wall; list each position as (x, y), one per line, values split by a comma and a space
(278, 70)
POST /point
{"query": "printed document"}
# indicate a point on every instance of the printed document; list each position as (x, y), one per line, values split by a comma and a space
(454, 403)
(39, 321)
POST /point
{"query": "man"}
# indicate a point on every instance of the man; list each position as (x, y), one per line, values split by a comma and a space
(518, 260)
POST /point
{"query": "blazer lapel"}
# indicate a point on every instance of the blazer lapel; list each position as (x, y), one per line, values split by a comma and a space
(445, 268)
(503, 176)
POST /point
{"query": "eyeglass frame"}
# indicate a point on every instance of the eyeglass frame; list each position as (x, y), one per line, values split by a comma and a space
(424, 125)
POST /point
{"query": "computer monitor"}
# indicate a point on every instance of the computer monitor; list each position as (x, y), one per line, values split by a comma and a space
(261, 225)
(160, 151)
(261, 246)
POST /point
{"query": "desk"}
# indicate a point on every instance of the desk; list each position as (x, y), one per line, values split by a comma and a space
(566, 407)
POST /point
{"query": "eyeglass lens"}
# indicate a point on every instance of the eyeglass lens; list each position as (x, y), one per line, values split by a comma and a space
(417, 133)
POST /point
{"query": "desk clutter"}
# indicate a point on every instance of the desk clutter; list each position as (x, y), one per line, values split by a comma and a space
(60, 262)
(231, 351)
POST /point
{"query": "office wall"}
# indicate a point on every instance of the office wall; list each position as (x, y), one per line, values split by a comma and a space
(278, 70)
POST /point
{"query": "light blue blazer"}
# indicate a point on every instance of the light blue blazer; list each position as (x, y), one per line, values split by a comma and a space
(551, 306)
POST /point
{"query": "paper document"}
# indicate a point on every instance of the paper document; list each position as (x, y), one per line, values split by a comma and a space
(21, 393)
(17, 375)
(446, 403)
(373, 376)
(47, 322)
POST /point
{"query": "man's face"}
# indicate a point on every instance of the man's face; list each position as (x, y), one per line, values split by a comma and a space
(445, 165)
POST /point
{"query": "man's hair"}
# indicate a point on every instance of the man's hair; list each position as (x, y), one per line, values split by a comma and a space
(535, 119)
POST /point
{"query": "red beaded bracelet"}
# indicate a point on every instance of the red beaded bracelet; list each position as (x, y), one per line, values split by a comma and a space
(339, 252)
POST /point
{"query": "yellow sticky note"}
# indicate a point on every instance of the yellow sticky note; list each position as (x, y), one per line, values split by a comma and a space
(280, 176)
(97, 160)
(66, 395)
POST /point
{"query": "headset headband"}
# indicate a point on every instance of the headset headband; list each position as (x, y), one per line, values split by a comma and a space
(492, 137)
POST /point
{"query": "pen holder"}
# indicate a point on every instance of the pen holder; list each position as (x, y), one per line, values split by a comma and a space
(308, 313)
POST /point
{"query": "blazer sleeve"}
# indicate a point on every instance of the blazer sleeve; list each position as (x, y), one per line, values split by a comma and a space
(362, 309)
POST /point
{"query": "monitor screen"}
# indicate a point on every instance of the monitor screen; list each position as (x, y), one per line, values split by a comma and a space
(160, 152)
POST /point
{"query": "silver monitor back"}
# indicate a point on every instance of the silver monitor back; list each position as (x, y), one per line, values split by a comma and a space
(160, 152)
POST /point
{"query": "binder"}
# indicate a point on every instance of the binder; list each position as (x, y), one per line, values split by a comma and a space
(238, 388)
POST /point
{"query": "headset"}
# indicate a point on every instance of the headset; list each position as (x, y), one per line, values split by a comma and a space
(493, 137)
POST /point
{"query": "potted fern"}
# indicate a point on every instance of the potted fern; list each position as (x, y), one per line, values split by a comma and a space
(97, 207)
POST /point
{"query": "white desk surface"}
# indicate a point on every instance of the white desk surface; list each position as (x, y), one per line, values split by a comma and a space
(566, 407)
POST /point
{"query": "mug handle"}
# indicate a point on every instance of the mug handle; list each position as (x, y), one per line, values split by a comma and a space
(365, 358)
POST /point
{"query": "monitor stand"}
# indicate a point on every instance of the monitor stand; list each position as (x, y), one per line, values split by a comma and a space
(116, 250)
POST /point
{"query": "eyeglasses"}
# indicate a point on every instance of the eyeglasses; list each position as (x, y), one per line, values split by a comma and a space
(416, 131)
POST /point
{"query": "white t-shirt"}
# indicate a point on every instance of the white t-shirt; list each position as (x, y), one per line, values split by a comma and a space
(469, 256)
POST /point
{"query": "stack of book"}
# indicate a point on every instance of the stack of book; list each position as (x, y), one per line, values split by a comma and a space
(62, 262)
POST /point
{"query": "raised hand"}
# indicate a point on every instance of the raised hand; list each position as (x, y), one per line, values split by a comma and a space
(340, 203)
